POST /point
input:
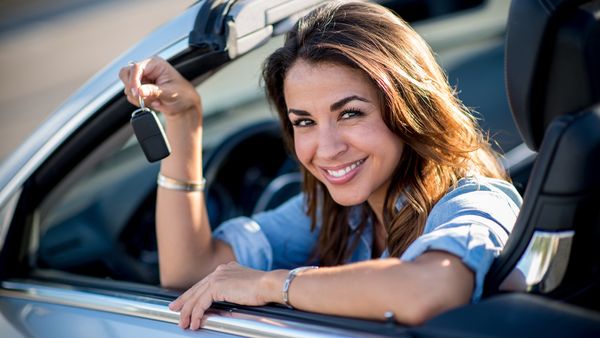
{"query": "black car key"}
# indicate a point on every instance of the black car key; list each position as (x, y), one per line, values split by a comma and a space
(150, 134)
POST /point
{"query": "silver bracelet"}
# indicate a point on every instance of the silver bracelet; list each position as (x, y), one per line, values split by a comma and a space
(288, 281)
(175, 184)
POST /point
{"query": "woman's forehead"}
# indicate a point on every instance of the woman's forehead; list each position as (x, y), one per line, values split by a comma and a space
(326, 83)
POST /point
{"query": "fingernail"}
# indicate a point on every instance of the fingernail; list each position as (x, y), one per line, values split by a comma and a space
(134, 91)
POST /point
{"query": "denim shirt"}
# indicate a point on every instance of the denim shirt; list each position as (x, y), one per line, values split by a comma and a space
(472, 221)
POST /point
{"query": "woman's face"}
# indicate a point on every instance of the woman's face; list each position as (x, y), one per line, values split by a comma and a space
(339, 135)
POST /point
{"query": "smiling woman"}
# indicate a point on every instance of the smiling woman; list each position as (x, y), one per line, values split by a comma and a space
(394, 167)
(339, 133)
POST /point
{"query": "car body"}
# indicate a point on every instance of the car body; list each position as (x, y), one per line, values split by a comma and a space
(78, 252)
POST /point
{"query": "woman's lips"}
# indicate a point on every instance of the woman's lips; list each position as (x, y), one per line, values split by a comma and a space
(343, 174)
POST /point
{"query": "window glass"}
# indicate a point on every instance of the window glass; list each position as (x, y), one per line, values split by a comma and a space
(99, 220)
(234, 97)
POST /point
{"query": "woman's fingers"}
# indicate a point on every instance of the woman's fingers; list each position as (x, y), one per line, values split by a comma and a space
(135, 77)
(160, 86)
(178, 303)
(229, 282)
(192, 307)
(133, 74)
(202, 304)
(150, 93)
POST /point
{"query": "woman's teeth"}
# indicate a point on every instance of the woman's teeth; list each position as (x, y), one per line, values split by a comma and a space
(344, 171)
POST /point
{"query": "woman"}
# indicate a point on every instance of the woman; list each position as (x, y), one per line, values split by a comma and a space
(404, 205)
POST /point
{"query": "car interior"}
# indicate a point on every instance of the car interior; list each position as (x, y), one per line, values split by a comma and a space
(560, 122)
(554, 92)
(87, 215)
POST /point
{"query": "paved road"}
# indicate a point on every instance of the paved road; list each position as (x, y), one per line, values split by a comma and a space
(48, 49)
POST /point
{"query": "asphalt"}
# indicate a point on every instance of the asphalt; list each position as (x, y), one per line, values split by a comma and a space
(48, 49)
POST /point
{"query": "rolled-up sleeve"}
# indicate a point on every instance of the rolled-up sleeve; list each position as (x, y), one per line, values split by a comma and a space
(280, 238)
(249, 243)
(472, 222)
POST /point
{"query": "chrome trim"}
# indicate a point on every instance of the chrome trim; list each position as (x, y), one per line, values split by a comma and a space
(6, 214)
(543, 265)
(222, 321)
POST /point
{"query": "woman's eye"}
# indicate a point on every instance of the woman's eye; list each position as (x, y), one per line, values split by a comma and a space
(350, 113)
(302, 123)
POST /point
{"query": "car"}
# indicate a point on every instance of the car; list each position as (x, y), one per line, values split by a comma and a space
(78, 252)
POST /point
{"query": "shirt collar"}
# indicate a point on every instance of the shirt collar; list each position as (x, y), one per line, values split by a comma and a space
(355, 213)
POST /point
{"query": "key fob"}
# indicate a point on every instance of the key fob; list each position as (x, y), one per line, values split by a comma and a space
(150, 134)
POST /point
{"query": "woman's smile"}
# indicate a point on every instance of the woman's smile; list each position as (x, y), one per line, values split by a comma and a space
(343, 173)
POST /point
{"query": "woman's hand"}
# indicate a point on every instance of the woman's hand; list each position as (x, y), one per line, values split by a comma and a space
(230, 282)
(160, 85)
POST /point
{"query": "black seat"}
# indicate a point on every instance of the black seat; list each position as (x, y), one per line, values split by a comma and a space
(553, 86)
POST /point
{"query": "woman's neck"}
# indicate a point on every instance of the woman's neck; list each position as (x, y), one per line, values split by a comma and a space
(376, 202)
(379, 239)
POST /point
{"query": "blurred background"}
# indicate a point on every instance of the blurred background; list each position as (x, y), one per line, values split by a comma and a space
(49, 48)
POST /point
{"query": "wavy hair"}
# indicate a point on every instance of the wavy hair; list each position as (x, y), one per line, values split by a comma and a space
(443, 142)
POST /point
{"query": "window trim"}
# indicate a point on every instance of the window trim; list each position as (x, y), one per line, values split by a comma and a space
(222, 317)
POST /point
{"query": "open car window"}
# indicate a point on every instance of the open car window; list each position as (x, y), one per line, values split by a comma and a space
(99, 220)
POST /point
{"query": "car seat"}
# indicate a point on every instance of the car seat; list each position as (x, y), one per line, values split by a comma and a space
(553, 85)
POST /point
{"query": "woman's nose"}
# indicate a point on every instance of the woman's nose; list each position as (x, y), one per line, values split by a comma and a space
(331, 143)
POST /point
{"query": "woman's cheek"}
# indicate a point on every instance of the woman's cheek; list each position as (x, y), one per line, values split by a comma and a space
(304, 149)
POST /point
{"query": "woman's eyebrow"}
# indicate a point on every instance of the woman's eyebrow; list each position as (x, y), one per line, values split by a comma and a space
(335, 106)
(339, 104)
(298, 112)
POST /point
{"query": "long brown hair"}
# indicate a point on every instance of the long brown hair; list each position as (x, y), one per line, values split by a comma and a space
(443, 142)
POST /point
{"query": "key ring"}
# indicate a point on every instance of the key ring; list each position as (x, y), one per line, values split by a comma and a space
(141, 101)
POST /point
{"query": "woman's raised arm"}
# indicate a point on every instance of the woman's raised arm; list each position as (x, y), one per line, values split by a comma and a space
(187, 251)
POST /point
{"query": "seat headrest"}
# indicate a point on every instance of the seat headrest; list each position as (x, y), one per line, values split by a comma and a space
(552, 62)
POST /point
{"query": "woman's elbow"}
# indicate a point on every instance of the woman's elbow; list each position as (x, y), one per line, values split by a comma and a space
(425, 309)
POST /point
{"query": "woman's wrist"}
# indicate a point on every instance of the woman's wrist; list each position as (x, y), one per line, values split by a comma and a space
(184, 131)
(271, 285)
(191, 116)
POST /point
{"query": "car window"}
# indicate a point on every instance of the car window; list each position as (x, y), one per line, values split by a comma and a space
(229, 105)
(99, 220)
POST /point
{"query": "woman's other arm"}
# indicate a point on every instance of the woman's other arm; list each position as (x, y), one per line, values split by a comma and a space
(413, 291)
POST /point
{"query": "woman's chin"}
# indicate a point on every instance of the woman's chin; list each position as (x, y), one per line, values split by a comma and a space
(347, 200)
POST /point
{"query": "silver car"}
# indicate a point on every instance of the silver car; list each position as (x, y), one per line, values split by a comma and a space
(77, 244)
